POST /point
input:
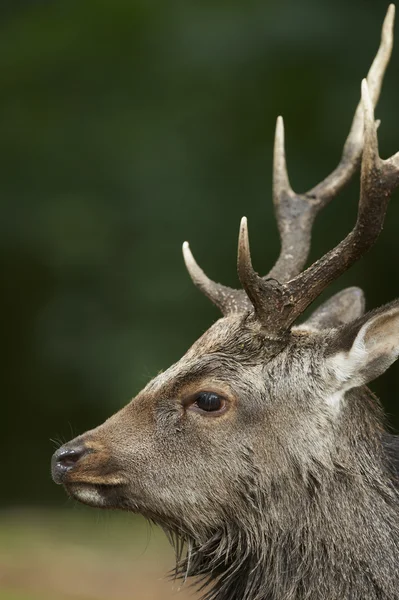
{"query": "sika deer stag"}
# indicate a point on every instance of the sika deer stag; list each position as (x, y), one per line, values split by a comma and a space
(262, 453)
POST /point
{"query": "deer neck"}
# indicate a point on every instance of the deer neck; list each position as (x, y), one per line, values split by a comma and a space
(330, 535)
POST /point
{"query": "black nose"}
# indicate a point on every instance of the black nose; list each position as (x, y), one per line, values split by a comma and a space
(65, 459)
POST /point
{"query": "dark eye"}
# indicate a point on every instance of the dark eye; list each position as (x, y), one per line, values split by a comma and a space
(209, 402)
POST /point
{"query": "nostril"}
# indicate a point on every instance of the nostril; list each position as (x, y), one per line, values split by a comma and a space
(64, 459)
(69, 457)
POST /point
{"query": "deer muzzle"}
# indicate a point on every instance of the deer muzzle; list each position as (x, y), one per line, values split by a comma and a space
(86, 469)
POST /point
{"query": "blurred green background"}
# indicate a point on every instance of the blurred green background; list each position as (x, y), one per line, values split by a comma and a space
(127, 127)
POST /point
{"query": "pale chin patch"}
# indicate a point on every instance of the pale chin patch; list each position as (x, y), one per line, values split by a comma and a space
(88, 495)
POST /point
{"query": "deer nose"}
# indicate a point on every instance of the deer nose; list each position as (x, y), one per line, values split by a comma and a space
(65, 459)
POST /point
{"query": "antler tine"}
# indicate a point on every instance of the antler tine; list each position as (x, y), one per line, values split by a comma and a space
(226, 299)
(379, 179)
(289, 207)
(246, 273)
(265, 296)
(281, 182)
(303, 208)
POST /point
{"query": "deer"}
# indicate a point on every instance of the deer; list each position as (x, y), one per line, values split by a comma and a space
(262, 453)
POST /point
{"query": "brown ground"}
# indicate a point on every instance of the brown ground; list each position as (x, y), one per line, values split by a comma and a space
(84, 555)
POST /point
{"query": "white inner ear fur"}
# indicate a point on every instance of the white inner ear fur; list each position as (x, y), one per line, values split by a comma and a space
(374, 349)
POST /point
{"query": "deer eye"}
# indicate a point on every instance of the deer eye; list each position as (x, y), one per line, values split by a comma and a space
(209, 402)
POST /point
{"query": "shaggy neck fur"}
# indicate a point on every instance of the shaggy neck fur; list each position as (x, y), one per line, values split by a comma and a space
(324, 533)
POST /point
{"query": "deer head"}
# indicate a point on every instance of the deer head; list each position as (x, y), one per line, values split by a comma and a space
(260, 452)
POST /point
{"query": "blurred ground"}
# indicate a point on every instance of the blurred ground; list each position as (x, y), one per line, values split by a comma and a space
(84, 555)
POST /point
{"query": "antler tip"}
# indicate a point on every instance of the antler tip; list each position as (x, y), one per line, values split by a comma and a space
(246, 273)
(243, 241)
(187, 252)
(279, 135)
(390, 17)
(387, 30)
(196, 273)
(244, 256)
(225, 299)
(281, 182)
(189, 259)
(280, 122)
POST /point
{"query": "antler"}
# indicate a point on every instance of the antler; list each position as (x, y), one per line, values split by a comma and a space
(295, 213)
(278, 305)
(226, 299)
(282, 295)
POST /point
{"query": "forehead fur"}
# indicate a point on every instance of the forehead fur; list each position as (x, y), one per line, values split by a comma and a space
(244, 338)
(234, 343)
(235, 335)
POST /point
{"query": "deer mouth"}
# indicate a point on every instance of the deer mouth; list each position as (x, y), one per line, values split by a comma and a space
(98, 495)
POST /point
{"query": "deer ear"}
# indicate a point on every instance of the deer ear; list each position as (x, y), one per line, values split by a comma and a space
(361, 351)
(344, 307)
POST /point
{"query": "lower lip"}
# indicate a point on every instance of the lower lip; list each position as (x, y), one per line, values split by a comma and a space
(88, 494)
